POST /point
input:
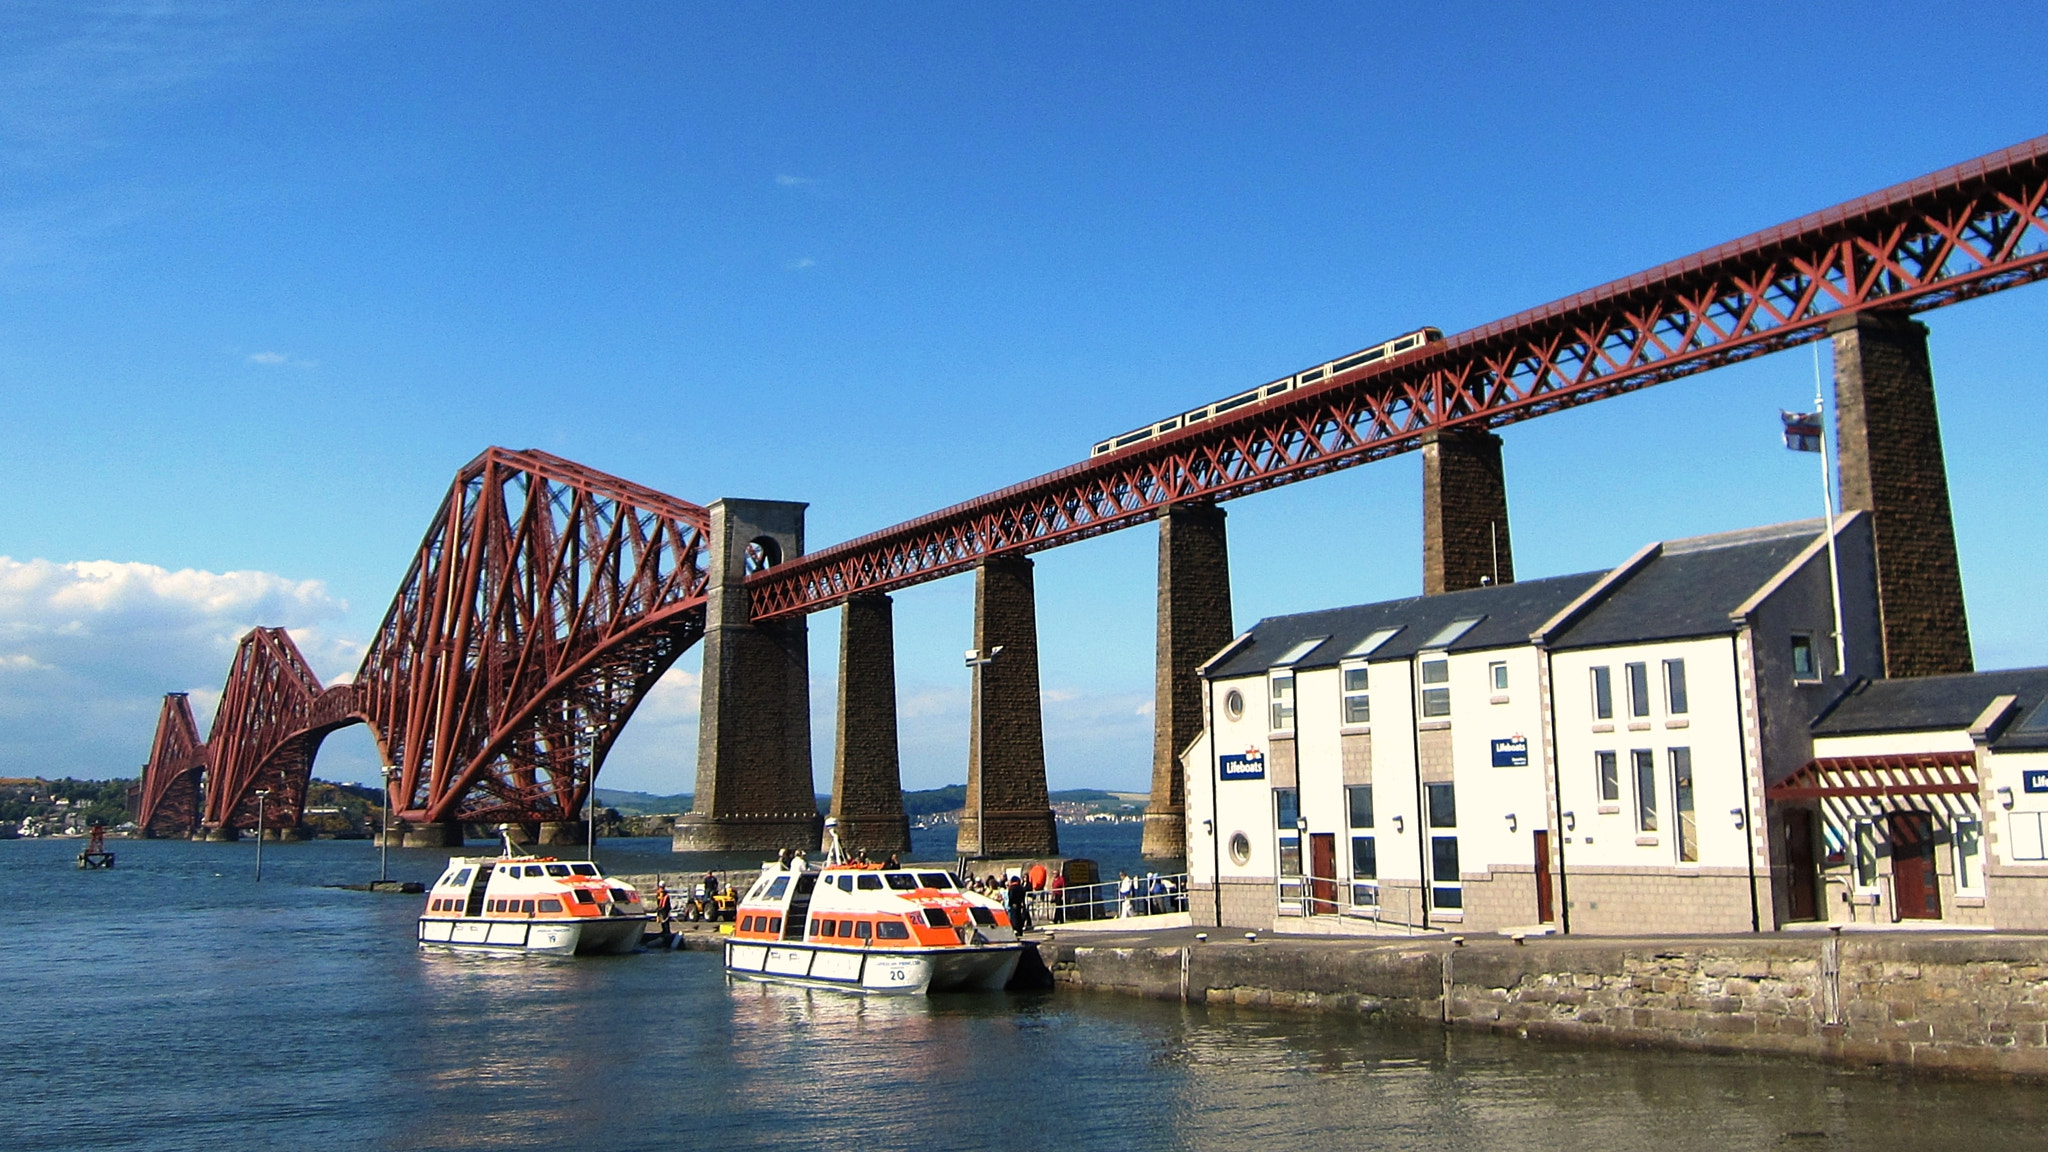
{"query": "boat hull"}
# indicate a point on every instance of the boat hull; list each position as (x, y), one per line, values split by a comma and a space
(612, 934)
(881, 971)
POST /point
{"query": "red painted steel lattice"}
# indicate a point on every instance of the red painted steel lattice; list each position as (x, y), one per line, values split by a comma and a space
(543, 604)
(167, 797)
(1965, 231)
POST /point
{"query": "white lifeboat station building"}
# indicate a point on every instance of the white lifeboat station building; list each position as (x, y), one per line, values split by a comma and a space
(1589, 753)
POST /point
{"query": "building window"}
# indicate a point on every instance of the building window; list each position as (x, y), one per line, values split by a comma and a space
(1287, 811)
(1603, 693)
(1443, 805)
(1803, 667)
(1674, 686)
(1365, 872)
(1866, 856)
(2027, 841)
(1967, 842)
(1498, 672)
(1233, 704)
(1610, 776)
(1638, 689)
(1681, 806)
(1445, 889)
(1436, 701)
(1646, 789)
(1281, 688)
(1240, 848)
(1360, 798)
(1357, 704)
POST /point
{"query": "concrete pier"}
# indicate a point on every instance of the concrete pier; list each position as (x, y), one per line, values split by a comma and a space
(562, 832)
(1008, 812)
(867, 780)
(754, 732)
(439, 834)
(1892, 467)
(1464, 513)
(1194, 624)
(1947, 1002)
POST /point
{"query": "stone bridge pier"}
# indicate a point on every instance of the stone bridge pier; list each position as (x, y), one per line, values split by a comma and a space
(1464, 513)
(754, 729)
(867, 779)
(1009, 812)
(1194, 624)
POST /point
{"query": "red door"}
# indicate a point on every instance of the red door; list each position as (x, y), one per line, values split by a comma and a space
(1802, 878)
(1545, 911)
(1322, 873)
(1914, 886)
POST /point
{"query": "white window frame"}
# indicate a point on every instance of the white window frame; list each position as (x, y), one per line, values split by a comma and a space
(1969, 876)
(1595, 677)
(1497, 676)
(1425, 686)
(1347, 695)
(1279, 700)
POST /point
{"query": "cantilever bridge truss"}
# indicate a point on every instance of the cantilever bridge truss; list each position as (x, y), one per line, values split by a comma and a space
(542, 605)
(547, 599)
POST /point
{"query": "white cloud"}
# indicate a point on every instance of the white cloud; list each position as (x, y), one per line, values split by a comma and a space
(88, 649)
(788, 181)
(281, 360)
(800, 264)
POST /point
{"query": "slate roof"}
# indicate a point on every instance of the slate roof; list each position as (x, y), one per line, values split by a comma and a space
(1690, 587)
(1947, 703)
(1507, 612)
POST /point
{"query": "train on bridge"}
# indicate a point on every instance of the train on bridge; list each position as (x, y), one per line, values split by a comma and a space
(1386, 350)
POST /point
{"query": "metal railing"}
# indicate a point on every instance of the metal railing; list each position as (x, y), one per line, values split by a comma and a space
(1150, 895)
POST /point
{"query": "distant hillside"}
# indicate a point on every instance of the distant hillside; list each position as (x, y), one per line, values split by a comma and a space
(926, 802)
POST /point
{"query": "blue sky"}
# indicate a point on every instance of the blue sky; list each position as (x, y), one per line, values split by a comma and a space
(269, 274)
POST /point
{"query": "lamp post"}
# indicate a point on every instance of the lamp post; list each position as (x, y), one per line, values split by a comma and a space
(1301, 854)
(384, 830)
(261, 793)
(978, 660)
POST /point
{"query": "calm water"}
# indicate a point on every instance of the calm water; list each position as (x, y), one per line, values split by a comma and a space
(172, 1003)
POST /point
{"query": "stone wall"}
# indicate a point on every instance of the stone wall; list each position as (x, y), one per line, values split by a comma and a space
(1194, 624)
(1953, 1002)
(1006, 740)
(867, 780)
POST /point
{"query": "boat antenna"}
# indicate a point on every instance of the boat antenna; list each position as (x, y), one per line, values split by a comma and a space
(834, 854)
(505, 834)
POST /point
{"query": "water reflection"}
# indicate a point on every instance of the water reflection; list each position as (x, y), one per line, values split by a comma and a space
(164, 1007)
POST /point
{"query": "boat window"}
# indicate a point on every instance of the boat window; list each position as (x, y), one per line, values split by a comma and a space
(901, 881)
(937, 918)
(526, 906)
(891, 930)
(933, 880)
(461, 878)
(621, 896)
(535, 870)
(821, 927)
(846, 883)
(954, 881)
(581, 897)
(558, 869)
(780, 886)
(774, 924)
(863, 929)
(869, 882)
(983, 917)
(583, 869)
(805, 883)
(551, 905)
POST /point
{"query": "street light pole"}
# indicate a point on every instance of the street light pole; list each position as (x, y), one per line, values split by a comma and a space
(260, 794)
(978, 660)
(384, 829)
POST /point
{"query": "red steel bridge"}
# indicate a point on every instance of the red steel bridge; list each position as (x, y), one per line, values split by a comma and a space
(547, 598)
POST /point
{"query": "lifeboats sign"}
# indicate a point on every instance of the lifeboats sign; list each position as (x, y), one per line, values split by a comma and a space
(1247, 765)
(1512, 752)
(2034, 780)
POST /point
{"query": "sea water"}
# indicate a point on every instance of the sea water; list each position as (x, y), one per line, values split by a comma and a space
(176, 1003)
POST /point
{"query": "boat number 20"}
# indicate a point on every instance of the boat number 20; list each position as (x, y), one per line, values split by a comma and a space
(897, 974)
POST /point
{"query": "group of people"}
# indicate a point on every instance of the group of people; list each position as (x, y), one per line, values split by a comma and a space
(1015, 892)
(1147, 895)
(710, 901)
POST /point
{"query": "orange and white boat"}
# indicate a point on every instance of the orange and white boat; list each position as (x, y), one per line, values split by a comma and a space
(515, 903)
(870, 928)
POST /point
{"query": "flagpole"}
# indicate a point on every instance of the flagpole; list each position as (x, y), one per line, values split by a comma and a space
(1827, 503)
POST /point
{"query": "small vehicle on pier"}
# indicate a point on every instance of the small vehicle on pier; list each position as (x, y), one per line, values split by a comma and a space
(870, 928)
(519, 903)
